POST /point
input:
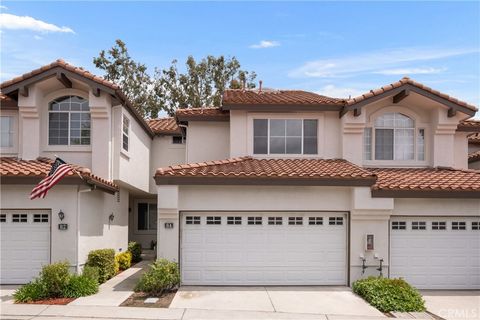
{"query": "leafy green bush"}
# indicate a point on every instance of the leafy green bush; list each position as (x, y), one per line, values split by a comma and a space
(104, 260)
(136, 250)
(389, 294)
(124, 260)
(80, 286)
(162, 277)
(55, 278)
(91, 272)
(32, 291)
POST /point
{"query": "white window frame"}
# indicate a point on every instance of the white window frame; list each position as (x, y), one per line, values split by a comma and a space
(402, 163)
(135, 216)
(127, 134)
(13, 131)
(301, 119)
(53, 146)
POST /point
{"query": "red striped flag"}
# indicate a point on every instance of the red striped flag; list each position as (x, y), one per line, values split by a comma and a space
(59, 169)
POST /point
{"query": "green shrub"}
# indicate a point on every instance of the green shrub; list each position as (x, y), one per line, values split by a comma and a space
(162, 277)
(136, 250)
(91, 272)
(104, 260)
(55, 278)
(80, 286)
(389, 294)
(124, 260)
(32, 291)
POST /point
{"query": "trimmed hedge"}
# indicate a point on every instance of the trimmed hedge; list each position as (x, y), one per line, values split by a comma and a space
(136, 250)
(389, 295)
(163, 277)
(124, 260)
(80, 286)
(55, 278)
(104, 260)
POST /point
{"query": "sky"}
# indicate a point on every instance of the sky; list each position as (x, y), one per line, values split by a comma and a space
(338, 49)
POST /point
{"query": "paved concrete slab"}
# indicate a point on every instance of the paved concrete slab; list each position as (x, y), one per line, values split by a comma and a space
(222, 298)
(116, 290)
(194, 314)
(113, 312)
(453, 305)
(320, 300)
(6, 292)
(21, 309)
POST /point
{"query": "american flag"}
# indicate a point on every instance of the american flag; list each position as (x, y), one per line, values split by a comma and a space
(59, 169)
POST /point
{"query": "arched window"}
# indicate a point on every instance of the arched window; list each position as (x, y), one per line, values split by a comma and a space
(395, 137)
(69, 121)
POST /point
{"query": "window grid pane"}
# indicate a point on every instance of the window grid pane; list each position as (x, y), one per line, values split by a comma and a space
(275, 220)
(6, 131)
(399, 225)
(214, 220)
(367, 143)
(234, 220)
(395, 138)
(254, 220)
(69, 121)
(439, 225)
(421, 144)
(315, 220)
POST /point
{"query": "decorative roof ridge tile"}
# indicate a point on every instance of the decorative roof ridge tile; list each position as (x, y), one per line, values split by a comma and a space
(164, 170)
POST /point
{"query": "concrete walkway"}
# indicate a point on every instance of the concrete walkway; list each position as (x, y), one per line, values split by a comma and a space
(452, 304)
(42, 312)
(116, 290)
(302, 300)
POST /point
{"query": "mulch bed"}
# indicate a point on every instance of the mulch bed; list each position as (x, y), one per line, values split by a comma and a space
(53, 301)
(137, 300)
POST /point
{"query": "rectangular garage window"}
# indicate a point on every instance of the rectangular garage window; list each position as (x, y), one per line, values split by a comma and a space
(399, 225)
(254, 220)
(19, 218)
(40, 217)
(315, 221)
(234, 220)
(275, 220)
(439, 225)
(3, 217)
(335, 221)
(475, 225)
(192, 220)
(459, 225)
(214, 220)
(295, 221)
(419, 225)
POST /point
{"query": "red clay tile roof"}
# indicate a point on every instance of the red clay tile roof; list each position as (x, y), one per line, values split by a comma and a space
(87, 75)
(405, 81)
(276, 97)
(474, 138)
(474, 156)
(426, 179)
(7, 103)
(167, 126)
(13, 167)
(317, 171)
(470, 125)
(206, 114)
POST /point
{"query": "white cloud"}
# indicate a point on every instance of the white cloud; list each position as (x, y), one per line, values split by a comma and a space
(36, 37)
(3, 8)
(13, 22)
(331, 90)
(373, 62)
(407, 71)
(265, 44)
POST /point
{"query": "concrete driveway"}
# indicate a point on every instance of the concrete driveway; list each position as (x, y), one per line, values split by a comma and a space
(301, 300)
(453, 305)
(6, 292)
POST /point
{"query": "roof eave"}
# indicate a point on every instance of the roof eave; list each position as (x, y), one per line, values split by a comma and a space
(395, 193)
(283, 107)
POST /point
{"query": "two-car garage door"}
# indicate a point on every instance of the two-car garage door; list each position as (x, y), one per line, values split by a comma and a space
(260, 248)
(436, 252)
(25, 244)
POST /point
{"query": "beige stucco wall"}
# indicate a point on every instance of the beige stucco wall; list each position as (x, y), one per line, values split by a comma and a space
(164, 153)
(437, 207)
(207, 140)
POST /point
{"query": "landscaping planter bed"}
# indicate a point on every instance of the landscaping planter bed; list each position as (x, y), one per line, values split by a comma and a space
(137, 299)
(53, 301)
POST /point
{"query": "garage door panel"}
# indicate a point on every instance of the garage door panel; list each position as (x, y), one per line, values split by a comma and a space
(249, 254)
(25, 245)
(436, 259)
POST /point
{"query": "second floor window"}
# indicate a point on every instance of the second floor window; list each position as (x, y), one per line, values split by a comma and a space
(285, 136)
(394, 137)
(6, 135)
(125, 133)
(69, 121)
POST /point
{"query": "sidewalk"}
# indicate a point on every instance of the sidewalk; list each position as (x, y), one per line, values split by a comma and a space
(116, 290)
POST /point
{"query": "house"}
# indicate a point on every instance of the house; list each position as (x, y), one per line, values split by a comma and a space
(273, 187)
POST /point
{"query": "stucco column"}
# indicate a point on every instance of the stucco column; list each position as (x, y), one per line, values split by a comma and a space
(168, 223)
(352, 137)
(29, 124)
(100, 138)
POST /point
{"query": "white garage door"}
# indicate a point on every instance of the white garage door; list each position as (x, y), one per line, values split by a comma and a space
(25, 244)
(436, 253)
(264, 248)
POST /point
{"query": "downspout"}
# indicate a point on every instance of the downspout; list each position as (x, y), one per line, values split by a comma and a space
(77, 238)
